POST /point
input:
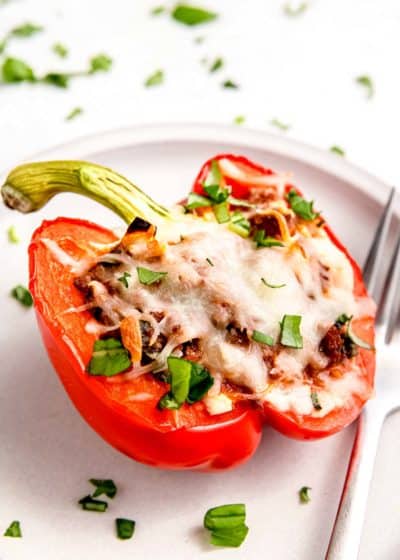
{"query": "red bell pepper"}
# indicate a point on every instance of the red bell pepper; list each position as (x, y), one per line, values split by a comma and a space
(139, 428)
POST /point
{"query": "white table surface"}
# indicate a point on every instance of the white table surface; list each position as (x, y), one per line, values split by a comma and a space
(298, 70)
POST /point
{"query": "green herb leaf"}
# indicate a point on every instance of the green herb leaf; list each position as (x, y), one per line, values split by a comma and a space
(367, 83)
(239, 224)
(58, 79)
(14, 530)
(301, 207)
(209, 261)
(303, 494)
(3, 44)
(155, 79)
(26, 30)
(124, 279)
(100, 63)
(343, 319)
(157, 10)
(74, 113)
(290, 331)
(221, 212)
(104, 486)
(227, 524)
(148, 277)
(60, 50)
(315, 400)
(197, 201)
(216, 65)
(262, 338)
(262, 241)
(240, 119)
(229, 84)
(189, 382)
(16, 70)
(272, 285)
(337, 150)
(168, 401)
(180, 371)
(12, 235)
(191, 15)
(279, 124)
(213, 176)
(291, 11)
(21, 294)
(89, 504)
(125, 528)
(200, 382)
(109, 358)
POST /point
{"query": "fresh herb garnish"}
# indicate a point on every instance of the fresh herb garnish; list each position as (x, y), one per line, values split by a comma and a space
(124, 279)
(155, 79)
(262, 338)
(240, 119)
(157, 10)
(290, 331)
(315, 400)
(227, 524)
(209, 261)
(100, 63)
(104, 486)
(279, 124)
(89, 504)
(214, 177)
(216, 65)
(303, 494)
(197, 201)
(291, 11)
(301, 207)
(26, 30)
(337, 150)
(367, 83)
(221, 212)
(230, 84)
(12, 235)
(60, 50)
(189, 383)
(74, 113)
(343, 319)
(125, 528)
(191, 15)
(13, 530)
(265, 241)
(239, 224)
(272, 285)
(199, 40)
(58, 79)
(23, 295)
(148, 277)
(109, 358)
(16, 70)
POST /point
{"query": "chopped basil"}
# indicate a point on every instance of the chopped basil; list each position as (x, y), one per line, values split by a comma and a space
(301, 207)
(58, 79)
(23, 295)
(229, 84)
(262, 338)
(337, 150)
(303, 494)
(148, 277)
(200, 382)
(315, 400)
(290, 331)
(124, 279)
(221, 212)
(13, 530)
(26, 30)
(227, 524)
(89, 504)
(100, 63)
(15, 70)
(125, 528)
(262, 241)
(240, 119)
(104, 486)
(367, 83)
(272, 285)
(74, 113)
(180, 372)
(214, 176)
(216, 65)
(155, 79)
(12, 235)
(157, 10)
(279, 124)
(209, 261)
(60, 50)
(168, 401)
(343, 319)
(216, 194)
(189, 383)
(197, 201)
(239, 224)
(109, 358)
(191, 15)
(291, 11)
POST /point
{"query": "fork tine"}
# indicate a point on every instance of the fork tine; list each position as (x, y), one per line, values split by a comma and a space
(389, 305)
(373, 262)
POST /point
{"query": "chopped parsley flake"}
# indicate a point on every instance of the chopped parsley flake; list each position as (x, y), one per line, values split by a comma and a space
(124, 279)
(104, 486)
(301, 207)
(60, 50)
(148, 277)
(13, 530)
(26, 30)
(74, 113)
(216, 65)
(367, 83)
(100, 63)
(294, 11)
(240, 119)
(15, 70)
(89, 504)
(279, 124)
(229, 84)
(157, 10)
(191, 15)
(155, 79)
(304, 495)
(125, 528)
(23, 295)
(209, 261)
(337, 150)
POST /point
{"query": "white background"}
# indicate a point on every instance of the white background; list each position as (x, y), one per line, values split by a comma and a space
(301, 71)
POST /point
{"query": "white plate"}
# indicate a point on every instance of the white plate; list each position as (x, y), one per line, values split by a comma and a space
(48, 451)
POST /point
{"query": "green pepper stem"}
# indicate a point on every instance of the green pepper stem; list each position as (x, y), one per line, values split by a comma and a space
(30, 186)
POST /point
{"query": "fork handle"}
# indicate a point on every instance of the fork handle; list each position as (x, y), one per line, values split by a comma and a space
(346, 535)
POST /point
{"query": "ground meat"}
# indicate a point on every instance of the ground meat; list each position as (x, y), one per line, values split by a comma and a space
(336, 345)
(147, 331)
(268, 224)
(262, 196)
(191, 350)
(236, 335)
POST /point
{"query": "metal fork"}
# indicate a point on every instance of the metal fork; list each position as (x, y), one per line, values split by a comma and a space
(346, 535)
